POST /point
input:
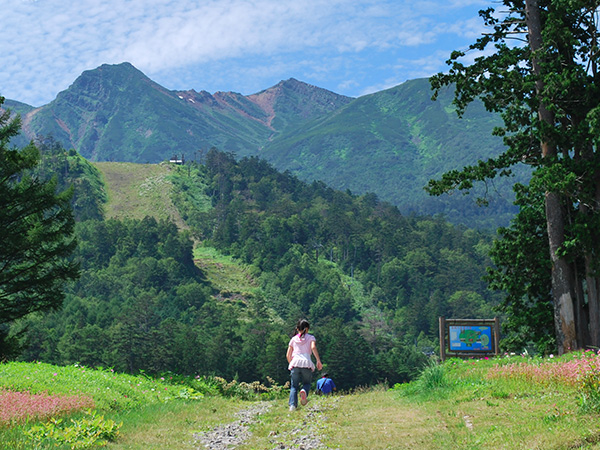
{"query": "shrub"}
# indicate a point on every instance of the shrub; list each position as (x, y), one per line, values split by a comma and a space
(433, 376)
(83, 433)
(246, 391)
(431, 379)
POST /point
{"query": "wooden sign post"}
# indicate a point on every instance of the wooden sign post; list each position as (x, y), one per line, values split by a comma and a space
(468, 338)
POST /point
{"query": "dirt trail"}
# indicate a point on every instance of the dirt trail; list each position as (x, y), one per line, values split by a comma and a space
(306, 435)
(228, 436)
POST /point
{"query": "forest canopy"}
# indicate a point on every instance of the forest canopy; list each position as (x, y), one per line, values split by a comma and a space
(36, 221)
(547, 90)
(371, 282)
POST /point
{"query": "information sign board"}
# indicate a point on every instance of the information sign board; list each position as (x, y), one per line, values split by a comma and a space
(469, 338)
(466, 338)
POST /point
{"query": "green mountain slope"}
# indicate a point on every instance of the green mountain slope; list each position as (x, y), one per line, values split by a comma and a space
(391, 143)
(21, 140)
(116, 113)
(17, 107)
(139, 190)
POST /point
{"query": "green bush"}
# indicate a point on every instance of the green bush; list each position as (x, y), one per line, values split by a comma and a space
(433, 376)
(84, 433)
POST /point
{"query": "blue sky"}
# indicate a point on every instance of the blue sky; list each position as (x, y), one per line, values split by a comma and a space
(351, 47)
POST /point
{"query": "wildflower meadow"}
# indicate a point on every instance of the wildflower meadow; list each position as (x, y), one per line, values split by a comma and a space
(48, 406)
(500, 402)
(20, 406)
(578, 370)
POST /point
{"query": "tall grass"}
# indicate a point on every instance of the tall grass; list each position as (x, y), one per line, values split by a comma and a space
(432, 381)
(34, 392)
(47, 406)
(433, 376)
(109, 390)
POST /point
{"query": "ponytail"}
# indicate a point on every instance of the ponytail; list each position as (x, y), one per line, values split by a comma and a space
(302, 327)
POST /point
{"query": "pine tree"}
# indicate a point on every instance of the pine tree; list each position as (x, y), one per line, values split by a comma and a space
(36, 226)
(548, 93)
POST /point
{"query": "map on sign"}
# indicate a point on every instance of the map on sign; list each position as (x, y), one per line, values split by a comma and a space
(470, 338)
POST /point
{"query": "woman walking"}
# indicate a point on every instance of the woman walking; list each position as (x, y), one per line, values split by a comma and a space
(300, 365)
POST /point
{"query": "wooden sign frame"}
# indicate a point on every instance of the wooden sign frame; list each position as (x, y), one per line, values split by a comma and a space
(469, 338)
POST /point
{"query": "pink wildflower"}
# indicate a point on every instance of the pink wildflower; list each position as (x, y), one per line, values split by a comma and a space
(18, 406)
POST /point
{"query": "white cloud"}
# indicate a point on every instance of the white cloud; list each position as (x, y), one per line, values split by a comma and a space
(51, 42)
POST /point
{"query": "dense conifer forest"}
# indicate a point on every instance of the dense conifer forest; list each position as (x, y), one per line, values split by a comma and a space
(371, 281)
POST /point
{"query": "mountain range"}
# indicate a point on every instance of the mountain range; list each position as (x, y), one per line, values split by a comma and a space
(389, 143)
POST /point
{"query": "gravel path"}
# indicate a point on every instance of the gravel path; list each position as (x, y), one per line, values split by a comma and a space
(305, 436)
(228, 436)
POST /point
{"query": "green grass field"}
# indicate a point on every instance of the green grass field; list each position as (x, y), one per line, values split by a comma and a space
(139, 190)
(225, 273)
(503, 403)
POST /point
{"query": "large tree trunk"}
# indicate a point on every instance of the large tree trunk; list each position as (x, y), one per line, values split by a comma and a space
(590, 276)
(591, 273)
(562, 276)
(593, 303)
(581, 310)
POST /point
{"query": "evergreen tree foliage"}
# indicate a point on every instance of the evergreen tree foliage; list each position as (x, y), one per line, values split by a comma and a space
(522, 269)
(37, 233)
(139, 291)
(547, 91)
(371, 281)
(70, 169)
(353, 261)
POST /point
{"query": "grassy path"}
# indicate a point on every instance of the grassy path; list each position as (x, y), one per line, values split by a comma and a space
(371, 420)
(381, 419)
(507, 403)
(172, 426)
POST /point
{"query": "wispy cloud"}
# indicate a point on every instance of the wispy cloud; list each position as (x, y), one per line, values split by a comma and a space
(183, 43)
